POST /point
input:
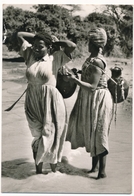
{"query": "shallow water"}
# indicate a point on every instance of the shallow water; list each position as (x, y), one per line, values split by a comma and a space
(18, 171)
(13, 71)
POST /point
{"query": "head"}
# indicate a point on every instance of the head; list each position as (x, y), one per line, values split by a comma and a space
(42, 42)
(97, 40)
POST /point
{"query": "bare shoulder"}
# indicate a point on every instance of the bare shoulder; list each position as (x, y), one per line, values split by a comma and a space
(99, 63)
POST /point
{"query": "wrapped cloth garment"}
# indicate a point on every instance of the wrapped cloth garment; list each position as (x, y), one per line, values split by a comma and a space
(98, 36)
(44, 105)
(91, 117)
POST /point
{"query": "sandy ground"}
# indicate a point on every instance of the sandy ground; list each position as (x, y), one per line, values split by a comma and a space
(18, 171)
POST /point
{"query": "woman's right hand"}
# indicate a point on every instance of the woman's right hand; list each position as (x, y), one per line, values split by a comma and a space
(54, 38)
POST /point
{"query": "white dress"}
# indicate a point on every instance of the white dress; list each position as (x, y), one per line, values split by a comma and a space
(44, 106)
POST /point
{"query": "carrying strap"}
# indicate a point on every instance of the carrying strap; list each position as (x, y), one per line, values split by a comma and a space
(115, 113)
(109, 77)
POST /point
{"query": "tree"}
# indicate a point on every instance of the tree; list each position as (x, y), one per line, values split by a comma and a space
(60, 21)
(99, 18)
(122, 15)
(15, 19)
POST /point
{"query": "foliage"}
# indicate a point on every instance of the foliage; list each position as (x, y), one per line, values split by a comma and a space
(122, 15)
(59, 21)
(15, 20)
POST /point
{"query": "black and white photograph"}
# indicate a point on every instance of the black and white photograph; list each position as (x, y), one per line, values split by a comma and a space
(66, 98)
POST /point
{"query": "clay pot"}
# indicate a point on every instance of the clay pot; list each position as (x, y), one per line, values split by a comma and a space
(65, 86)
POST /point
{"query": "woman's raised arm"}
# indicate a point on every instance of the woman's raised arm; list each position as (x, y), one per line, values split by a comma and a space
(67, 45)
(22, 36)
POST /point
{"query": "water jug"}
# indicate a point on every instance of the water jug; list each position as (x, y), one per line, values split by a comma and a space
(119, 90)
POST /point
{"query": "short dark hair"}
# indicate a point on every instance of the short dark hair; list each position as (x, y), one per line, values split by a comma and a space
(45, 37)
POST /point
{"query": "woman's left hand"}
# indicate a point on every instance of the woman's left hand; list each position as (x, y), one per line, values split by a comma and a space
(67, 73)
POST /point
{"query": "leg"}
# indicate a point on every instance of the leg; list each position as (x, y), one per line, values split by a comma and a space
(94, 164)
(39, 166)
(53, 167)
(102, 166)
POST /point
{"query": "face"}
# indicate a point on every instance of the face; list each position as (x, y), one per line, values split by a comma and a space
(39, 48)
(90, 46)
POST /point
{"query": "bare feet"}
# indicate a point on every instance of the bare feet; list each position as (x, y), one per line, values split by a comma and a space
(39, 168)
(44, 173)
(37, 172)
(53, 167)
(93, 170)
(103, 175)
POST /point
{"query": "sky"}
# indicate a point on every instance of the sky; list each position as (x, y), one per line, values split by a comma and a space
(85, 8)
(93, 5)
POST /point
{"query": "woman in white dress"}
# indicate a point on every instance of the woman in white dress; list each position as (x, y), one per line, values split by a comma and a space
(92, 114)
(44, 105)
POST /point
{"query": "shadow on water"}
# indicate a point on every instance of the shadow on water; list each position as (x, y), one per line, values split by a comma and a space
(22, 169)
(65, 167)
(18, 169)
